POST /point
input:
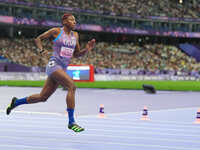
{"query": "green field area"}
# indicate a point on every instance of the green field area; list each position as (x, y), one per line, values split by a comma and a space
(136, 85)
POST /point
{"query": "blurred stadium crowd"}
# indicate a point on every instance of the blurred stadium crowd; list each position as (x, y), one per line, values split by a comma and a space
(127, 7)
(151, 58)
(145, 58)
(155, 15)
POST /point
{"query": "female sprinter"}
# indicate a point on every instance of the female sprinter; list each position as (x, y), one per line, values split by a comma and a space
(65, 45)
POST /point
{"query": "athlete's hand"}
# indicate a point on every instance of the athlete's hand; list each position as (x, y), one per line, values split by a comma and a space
(91, 44)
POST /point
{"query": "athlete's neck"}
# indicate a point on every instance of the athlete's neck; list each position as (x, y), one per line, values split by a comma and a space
(67, 30)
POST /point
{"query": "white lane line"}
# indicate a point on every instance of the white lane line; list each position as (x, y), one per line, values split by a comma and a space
(164, 110)
(104, 125)
(171, 123)
(113, 143)
(142, 123)
(109, 115)
(34, 147)
(17, 132)
(105, 121)
(104, 130)
(146, 132)
(26, 147)
(139, 127)
(32, 112)
(155, 121)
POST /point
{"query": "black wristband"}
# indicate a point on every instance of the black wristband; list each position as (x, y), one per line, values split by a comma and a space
(41, 51)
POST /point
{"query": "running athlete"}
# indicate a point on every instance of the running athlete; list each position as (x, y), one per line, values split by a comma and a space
(65, 45)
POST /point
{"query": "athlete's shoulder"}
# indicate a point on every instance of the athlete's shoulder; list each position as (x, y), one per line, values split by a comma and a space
(55, 30)
(75, 34)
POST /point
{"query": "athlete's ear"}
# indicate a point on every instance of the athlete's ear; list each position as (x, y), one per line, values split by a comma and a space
(62, 22)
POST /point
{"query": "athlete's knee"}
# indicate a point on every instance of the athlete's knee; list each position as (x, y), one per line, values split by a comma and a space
(72, 87)
(43, 98)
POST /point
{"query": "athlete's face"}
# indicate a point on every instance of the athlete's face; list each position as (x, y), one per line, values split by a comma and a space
(70, 22)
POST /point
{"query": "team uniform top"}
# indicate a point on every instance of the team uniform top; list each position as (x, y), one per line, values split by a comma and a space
(63, 47)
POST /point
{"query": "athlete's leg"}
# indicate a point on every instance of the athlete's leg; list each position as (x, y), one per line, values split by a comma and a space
(48, 89)
(63, 79)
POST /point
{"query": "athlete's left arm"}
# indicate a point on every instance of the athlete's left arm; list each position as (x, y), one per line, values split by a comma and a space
(80, 52)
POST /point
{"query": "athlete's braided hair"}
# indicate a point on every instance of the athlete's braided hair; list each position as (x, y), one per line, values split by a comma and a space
(66, 15)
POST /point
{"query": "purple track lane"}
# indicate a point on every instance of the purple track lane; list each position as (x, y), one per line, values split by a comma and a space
(43, 126)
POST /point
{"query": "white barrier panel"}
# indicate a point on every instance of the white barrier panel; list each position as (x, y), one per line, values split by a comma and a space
(142, 77)
(22, 76)
(97, 77)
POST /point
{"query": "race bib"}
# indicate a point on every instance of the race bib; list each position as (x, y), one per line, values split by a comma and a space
(66, 52)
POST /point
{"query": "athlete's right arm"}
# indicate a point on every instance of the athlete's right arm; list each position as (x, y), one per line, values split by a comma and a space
(54, 32)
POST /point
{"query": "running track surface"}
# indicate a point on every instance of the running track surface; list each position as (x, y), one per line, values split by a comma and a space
(44, 126)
